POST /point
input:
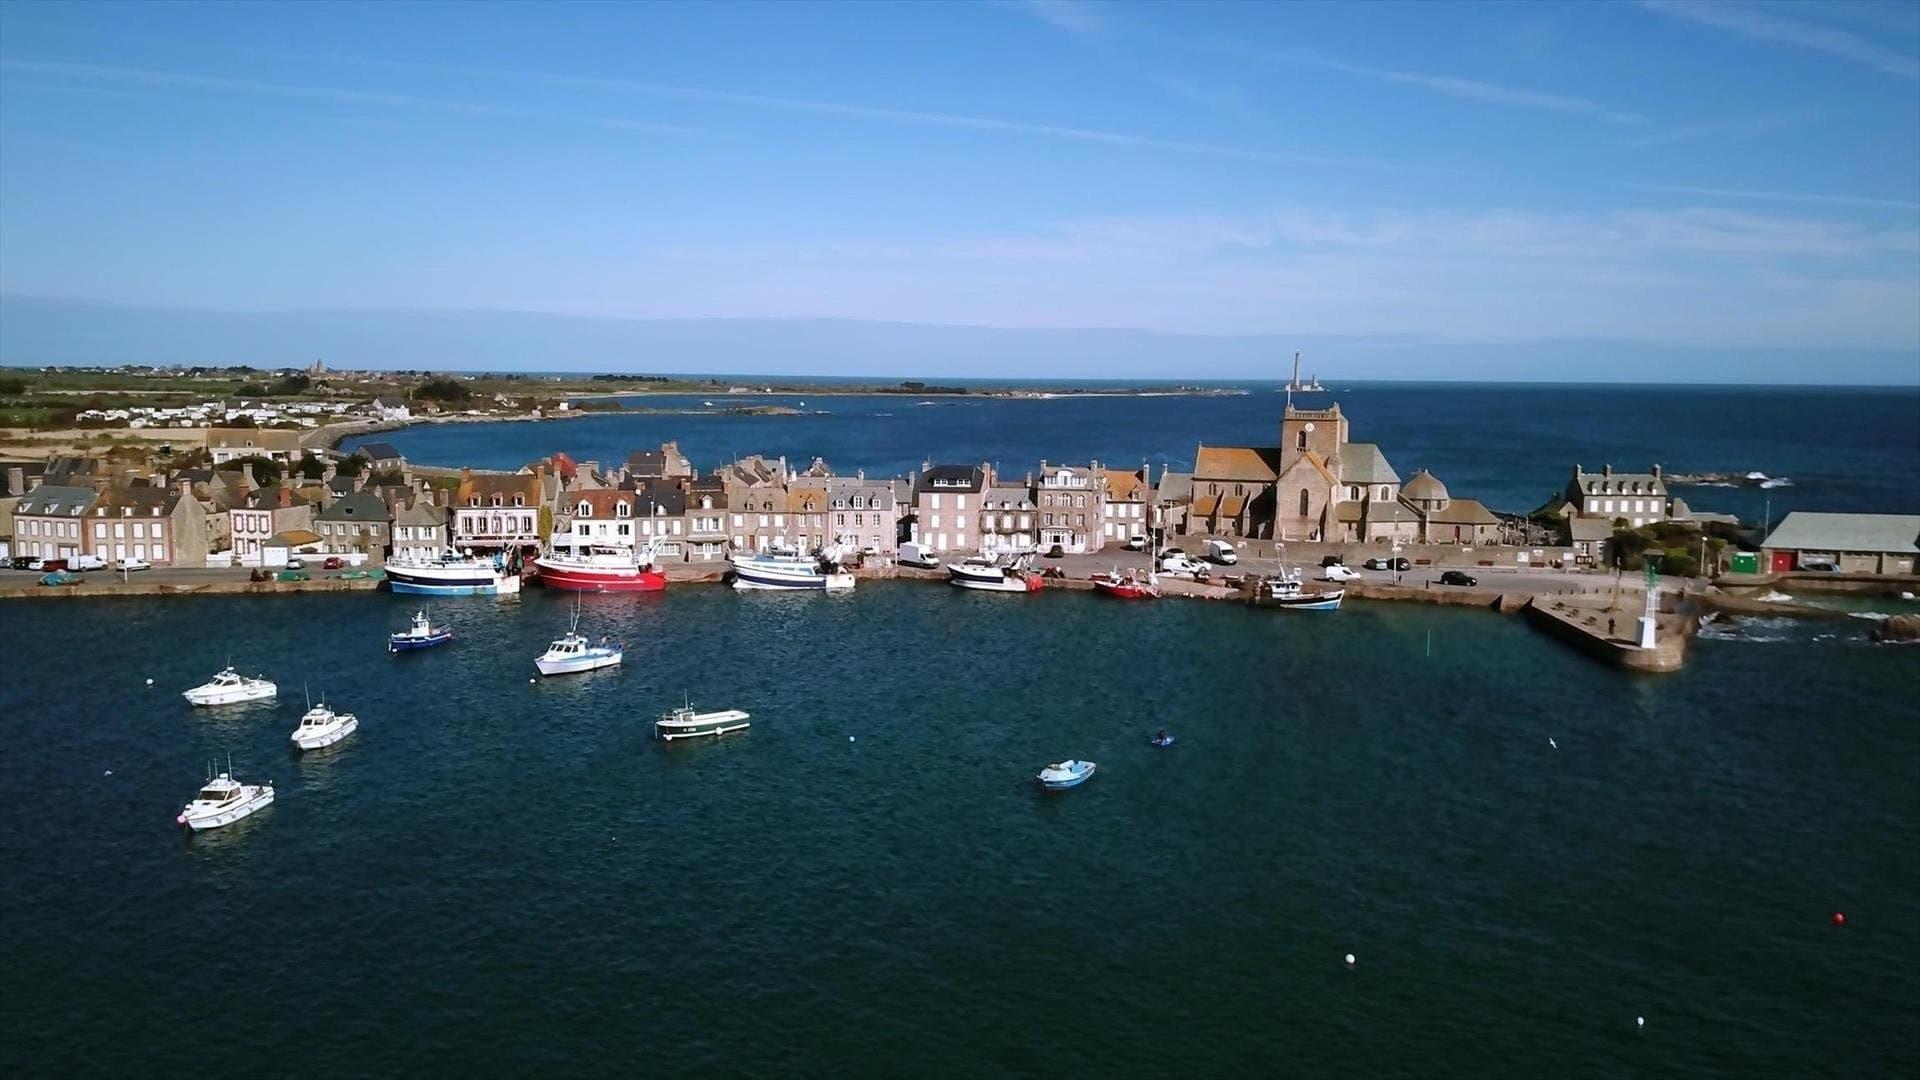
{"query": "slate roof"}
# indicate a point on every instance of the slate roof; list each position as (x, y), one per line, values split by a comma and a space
(58, 500)
(142, 501)
(1590, 528)
(1363, 463)
(1463, 512)
(1879, 533)
(953, 478)
(1175, 487)
(379, 451)
(359, 506)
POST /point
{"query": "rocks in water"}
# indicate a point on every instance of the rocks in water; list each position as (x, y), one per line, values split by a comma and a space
(1903, 628)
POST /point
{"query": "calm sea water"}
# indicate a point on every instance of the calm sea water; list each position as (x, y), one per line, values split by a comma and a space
(1511, 446)
(498, 878)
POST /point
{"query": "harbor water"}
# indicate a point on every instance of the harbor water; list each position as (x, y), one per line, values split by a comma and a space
(1525, 851)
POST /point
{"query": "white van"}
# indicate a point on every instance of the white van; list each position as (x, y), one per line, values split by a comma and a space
(920, 555)
(87, 562)
(1221, 552)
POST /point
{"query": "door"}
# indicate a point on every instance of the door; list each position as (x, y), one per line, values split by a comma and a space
(1782, 562)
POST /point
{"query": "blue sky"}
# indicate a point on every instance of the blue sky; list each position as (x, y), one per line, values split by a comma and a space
(1722, 177)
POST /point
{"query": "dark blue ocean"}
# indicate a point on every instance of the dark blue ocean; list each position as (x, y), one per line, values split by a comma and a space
(493, 878)
(1509, 445)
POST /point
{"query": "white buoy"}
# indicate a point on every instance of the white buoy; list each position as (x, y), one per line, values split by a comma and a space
(849, 738)
(149, 682)
(1639, 1021)
(1551, 743)
(1349, 959)
(109, 772)
(530, 682)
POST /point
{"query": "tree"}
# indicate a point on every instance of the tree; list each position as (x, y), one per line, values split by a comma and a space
(351, 465)
(266, 471)
(1678, 562)
(290, 386)
(311, 467)
(13, 386)
(442, 389)
(251, 389)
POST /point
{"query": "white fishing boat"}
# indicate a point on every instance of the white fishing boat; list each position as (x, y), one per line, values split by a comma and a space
(321, 726)
(988, 574)
(1062, 775)
(575, 652)
(222, 801)
(784, 568)
(230, 688)
(684, 723)
(450, 573)
(1286, 591)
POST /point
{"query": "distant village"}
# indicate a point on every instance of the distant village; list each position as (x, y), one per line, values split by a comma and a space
(247, 486)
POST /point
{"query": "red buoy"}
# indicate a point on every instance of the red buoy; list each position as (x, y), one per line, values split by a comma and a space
(1839, 918)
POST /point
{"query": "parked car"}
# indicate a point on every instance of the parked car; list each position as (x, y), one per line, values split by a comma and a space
(1337, 572)
(296, 564)
(50, 565)
(1056, 552)
(22, 562)
(1136, 542)
(1333, 560)
(1381, 562)
(333, 563)
(920, 555)
(1456, 577)
(1222, 552)
(130, 563)
(89, 562)
(1181, 564)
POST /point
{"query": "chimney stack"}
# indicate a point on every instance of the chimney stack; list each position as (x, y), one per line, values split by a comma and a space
(1608, 471)
(1656, 471)
(16, 481)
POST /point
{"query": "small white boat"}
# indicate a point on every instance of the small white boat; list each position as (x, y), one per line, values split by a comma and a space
(1062, 775)
(322, 726)
(421, 635)
(575, 653)
(222, 801)
(684, 723)
(1286, 591)
(229, 688)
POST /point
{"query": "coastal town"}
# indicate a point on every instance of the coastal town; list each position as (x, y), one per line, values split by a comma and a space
(248, 484)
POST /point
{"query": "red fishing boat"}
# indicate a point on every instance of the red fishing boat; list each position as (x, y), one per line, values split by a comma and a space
(597, 569)
(1131, 585)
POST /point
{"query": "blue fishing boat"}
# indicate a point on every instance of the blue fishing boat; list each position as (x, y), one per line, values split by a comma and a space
(1062, 775)
(422, 634)
(452, 574)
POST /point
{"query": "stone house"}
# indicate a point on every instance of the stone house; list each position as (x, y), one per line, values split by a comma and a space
(665, 463)
(1072, 507)
(864, 515)
(421, 527)
(232, 444)
(47, 521)
(706, 520)
(945, 500)
(1640, 498)
(360, 523)
(259, 516)
(601, 518)
(499, 511)
(1008, 522)
(1127, 513)
(756, 497)
(165, 526)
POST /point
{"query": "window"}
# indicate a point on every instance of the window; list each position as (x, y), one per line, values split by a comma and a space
(586, 509)
(840, 519)
(1048, 518)
(519, 500)
(1079, 500)
(959, 502)
(933, 502)
(99, 530)
(119, 530)
(1300, 442)
(737, 521)
(1303, 495)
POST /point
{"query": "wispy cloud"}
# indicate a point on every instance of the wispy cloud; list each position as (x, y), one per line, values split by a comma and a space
(1785, 196)
(1446, 85)
(1767, 26)
(877, 112)
(1072, 16)
(328, 94)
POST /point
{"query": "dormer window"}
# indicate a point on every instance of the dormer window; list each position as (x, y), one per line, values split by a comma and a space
(624, 509)
(473, 500)
(706, 502)
(496, 500)
(586, 508)
(519, 500)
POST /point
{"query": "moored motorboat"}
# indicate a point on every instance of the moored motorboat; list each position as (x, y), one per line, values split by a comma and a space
(450, 573)
(321, 726)
(422, 634)
(222, 800)
(684, 723)
(1131, 585)
(1286, 591)
(601, 569)
(1161, 739)
(987, 574)
(230, 687)
(1062, 775)
(787, 569)
(575, 653)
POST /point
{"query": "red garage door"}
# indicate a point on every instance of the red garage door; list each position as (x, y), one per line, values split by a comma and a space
(1782, 561)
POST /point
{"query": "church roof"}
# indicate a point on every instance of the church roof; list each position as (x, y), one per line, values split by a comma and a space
(1257, 464)
(1363, 463)
(1424, 487)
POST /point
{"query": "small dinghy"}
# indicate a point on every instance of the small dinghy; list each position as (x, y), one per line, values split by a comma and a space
(1062, 775)
(422, 634)
(230, 688)
(1161, 738)
(322, 726)
(222, 801)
